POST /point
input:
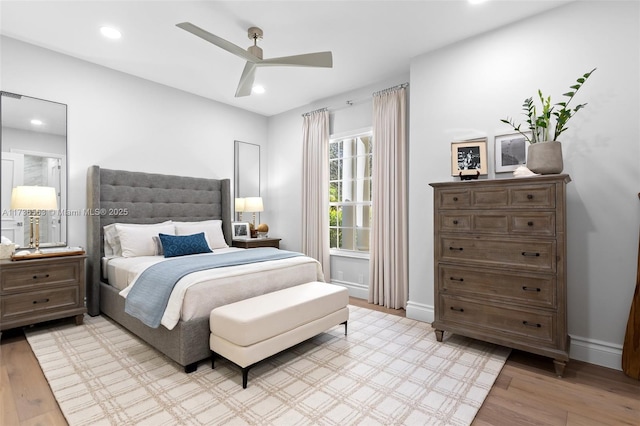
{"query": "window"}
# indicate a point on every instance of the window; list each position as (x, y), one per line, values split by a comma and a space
(350, 163)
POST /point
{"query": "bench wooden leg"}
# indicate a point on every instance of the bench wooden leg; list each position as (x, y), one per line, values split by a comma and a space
(191, 368)
(345, 327)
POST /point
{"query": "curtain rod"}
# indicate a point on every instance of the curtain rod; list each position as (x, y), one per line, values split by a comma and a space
(391, 89)
(349, 103)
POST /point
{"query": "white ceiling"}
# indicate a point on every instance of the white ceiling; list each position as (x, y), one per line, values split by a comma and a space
(371, 40)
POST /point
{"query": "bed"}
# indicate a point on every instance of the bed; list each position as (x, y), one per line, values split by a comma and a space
(125, 197)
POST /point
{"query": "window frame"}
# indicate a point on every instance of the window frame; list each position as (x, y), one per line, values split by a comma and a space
(352, 134)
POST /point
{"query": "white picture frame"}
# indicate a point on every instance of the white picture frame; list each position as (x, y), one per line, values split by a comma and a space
(510, 151)
(240, 230)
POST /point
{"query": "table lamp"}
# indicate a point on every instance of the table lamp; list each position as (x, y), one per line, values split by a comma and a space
(253, 205)
(239, 208)
(34, 200)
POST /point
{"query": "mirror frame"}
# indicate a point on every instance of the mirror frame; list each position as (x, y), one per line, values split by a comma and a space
(62, 131)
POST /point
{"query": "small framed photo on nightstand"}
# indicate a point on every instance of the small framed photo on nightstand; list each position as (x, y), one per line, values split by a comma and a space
(240, 230)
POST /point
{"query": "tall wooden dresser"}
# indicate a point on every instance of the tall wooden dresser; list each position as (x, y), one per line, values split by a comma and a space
(500, 263)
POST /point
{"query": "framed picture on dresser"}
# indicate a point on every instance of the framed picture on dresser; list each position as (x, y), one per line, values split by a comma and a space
(510, 151)
(469, 157)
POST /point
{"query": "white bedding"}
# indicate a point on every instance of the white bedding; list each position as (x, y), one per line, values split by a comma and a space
(195, 295)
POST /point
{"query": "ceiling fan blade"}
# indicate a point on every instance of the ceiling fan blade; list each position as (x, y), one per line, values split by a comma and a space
(318, 59)
(246, 80)
(220, 42)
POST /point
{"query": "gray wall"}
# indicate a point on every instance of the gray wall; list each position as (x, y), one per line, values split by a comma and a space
(463, 90)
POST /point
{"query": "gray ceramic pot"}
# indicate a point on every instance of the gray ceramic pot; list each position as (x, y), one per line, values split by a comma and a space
(545, 158)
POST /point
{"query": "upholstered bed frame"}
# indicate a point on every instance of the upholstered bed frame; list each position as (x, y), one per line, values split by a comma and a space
(135, 197)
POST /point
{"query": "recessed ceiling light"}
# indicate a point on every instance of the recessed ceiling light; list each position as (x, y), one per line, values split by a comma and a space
(257, 89)
(110, 32)
(37, 122)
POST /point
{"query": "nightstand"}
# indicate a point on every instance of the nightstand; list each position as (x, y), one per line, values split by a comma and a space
(37, 290)
(256, 242)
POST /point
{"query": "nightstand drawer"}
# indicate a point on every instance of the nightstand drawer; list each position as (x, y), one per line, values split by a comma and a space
(38, 302)
(23, 278)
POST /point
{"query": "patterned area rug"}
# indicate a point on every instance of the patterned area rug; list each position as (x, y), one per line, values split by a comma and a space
(389, 370)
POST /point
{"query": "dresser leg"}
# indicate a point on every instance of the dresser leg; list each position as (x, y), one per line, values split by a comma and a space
(79, 319)
(439, 335)
(559, 366)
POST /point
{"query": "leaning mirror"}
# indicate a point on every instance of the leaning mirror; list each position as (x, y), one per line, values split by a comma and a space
(247, 171)
(33, 139)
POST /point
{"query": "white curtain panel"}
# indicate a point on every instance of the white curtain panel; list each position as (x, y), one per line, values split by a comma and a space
(315, 190)
(388, 255)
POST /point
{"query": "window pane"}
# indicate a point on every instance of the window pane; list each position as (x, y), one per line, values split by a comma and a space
(347, 239)
(348, 216)
(362, 239)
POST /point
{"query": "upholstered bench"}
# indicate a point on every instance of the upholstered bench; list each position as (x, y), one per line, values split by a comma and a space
(251, 330)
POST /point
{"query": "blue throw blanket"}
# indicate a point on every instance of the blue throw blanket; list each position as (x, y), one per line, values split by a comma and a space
(149, 296)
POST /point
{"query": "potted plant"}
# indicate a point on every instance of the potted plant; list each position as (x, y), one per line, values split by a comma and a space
(545, 153)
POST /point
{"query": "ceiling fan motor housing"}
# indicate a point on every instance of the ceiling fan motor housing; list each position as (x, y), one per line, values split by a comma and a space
(254, 33)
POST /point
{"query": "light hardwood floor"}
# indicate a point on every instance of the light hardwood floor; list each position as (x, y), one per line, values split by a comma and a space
(526, 392)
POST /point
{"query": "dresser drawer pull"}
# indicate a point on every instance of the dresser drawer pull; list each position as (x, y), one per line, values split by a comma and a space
(455, 222)
(530, 254)
(529, 197)
(525, 288)
(40, 301)
(531, 324)
(456, 279)
(529, 223)
(456, 248)
(455, 198)
(453, 308)
(35, 277)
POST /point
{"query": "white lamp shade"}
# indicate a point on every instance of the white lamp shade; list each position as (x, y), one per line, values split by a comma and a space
(253, 204)
(240, 205)
(34, 198)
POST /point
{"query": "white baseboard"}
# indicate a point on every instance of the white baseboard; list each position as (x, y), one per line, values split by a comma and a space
(420, 312)
(604, 354)
(356, 290)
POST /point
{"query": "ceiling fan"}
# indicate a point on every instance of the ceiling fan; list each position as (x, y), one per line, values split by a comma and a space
(253, 56)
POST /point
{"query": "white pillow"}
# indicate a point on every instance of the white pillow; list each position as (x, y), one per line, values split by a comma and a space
(212, 231)
(137, 239)
(111, 241)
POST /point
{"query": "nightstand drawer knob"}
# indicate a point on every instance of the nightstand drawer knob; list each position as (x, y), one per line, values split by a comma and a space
(40, 301)
(531, 324)
(35, 277)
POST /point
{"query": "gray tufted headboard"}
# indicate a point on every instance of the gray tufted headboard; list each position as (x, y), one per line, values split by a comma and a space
(134, 197)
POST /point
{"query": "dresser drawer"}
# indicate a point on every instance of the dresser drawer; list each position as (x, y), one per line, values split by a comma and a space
(521, 288)
(454, 198)
(522, 324)
(38, 302)
(533, 196)
(539, 255)
(498, 222)
(533, 223)
(24, 278)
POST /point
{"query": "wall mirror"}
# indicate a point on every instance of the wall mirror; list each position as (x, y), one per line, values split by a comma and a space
(33, 140)
(246, 174)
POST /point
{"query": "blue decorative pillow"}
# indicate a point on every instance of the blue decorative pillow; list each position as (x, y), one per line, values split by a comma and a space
(182, 245)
